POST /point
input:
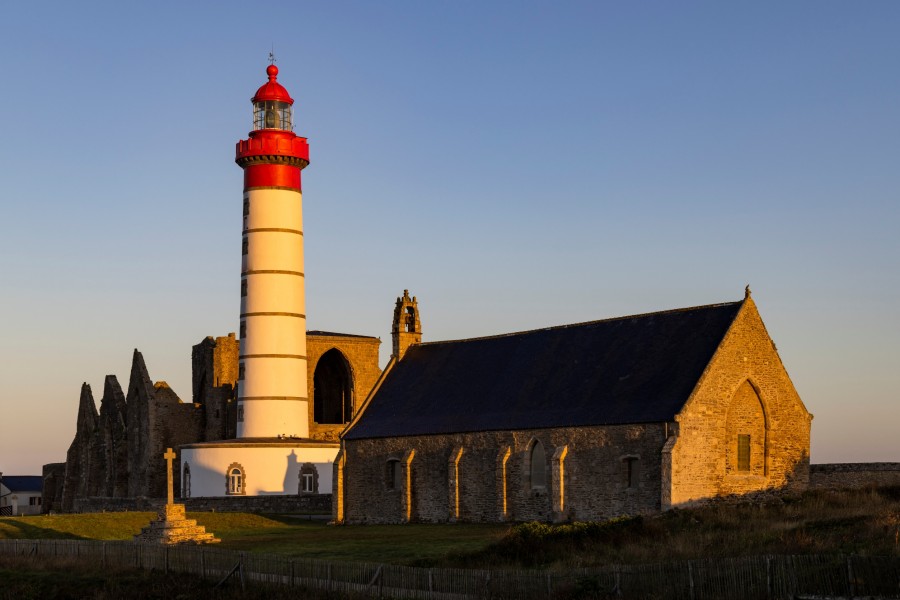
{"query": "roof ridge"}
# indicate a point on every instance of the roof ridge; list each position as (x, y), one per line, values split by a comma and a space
(582, 323)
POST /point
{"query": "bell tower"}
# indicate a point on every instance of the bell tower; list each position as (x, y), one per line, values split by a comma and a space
(407, 329)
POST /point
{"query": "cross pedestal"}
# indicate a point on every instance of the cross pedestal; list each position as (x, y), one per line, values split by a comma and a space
(171, 526)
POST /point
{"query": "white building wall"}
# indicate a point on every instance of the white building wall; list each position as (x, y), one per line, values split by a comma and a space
(21, 502)
(268, 470)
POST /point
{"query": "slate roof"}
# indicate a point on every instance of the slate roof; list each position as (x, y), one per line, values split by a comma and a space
(635, 369)
(333, 334)
(23, 483)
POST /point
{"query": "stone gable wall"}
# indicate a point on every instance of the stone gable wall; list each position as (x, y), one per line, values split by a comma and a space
(362, 356)
(593, 474)
(746, 381)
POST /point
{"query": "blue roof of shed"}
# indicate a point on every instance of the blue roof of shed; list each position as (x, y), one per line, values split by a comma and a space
(635, 369)
(24, 483)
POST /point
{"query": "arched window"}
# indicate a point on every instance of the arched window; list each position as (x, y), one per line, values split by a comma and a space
(538, 462)
(186, 481)
(235, 480)
(309, 479)
(332, 389)
(410, 319)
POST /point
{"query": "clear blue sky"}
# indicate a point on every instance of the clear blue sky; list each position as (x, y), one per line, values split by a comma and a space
(514, 164)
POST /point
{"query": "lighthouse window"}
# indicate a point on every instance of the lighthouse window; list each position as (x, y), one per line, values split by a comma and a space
(272, 115)
(246, 206)
(243, 291)
(245, 245)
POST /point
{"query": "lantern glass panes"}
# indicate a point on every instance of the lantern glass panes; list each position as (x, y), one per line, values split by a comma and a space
(272, 115)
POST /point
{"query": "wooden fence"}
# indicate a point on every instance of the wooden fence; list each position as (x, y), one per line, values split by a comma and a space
(743, 578)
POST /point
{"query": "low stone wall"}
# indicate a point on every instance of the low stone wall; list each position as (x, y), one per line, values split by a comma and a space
(853, 475)
(317, 504)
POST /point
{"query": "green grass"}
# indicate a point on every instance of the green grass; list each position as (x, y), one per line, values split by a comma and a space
(859, 521)
(276, 534)
(51, 578)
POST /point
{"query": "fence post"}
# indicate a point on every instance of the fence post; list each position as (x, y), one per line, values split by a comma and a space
(166, 560)
(292, 574)
(430, 580)
(769, 579)
(241, 571)
(691, 579)
(549, 586)
(851, 583)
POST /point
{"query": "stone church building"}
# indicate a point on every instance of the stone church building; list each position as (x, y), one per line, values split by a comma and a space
(587, 421)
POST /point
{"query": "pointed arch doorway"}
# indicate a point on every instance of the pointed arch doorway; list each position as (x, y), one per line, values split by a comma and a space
(332, 389)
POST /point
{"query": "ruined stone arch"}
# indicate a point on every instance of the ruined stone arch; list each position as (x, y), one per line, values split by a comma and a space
(333, 388)
(746, 432)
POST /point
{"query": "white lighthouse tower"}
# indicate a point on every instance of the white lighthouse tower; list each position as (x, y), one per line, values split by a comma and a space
(272, 388)
(272, 454)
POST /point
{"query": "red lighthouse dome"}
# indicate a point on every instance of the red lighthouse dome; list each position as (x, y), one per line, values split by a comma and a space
(272, 90)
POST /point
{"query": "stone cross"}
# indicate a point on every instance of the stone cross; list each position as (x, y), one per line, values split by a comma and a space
(169, 456)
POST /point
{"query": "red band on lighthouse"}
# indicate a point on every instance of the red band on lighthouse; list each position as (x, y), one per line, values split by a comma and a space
(271, 176)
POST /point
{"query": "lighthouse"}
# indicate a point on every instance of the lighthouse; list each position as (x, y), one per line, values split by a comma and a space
(273, 453)
(272, 388)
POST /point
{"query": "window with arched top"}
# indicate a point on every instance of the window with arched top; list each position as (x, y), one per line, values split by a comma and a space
(410, 319)
(235, 480)
(186, 481)
(538, 464)
(309, 479)
(332, 389)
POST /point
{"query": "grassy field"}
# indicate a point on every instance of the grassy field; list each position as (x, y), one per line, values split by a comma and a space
(291, 536)
(861, 521)
(24, 578)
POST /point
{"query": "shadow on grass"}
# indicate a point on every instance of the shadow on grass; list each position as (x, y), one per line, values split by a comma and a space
(14, 528)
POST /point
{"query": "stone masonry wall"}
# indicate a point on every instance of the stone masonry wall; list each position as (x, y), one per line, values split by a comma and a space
(361, 354)
(594, 475)
(214, 363)
(853, 475)
(53, 475)
(316, 504)
(745, 390)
